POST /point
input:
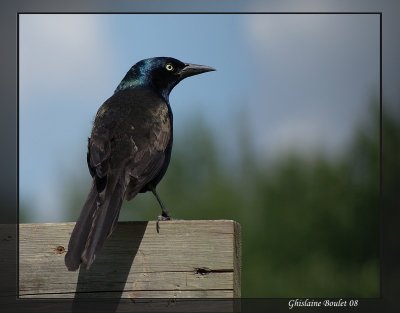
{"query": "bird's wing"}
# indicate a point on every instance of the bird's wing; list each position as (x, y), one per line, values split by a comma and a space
(148, 161)
(148, 134)
(99, 151)
(143, 171)
(122, 157)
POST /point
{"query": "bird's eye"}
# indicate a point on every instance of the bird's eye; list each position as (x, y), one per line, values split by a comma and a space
(169, 67)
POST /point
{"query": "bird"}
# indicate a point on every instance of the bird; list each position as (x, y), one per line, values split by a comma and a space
(128, 151)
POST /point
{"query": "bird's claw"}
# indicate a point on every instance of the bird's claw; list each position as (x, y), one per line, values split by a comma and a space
(162, 217)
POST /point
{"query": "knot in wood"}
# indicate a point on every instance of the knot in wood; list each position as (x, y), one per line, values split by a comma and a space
(59, 250)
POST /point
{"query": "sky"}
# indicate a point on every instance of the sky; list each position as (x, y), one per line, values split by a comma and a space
(296, 80)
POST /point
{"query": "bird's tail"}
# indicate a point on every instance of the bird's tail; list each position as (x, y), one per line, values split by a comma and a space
(96, 222)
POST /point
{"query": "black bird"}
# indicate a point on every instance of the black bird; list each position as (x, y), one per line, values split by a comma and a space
(128, 151)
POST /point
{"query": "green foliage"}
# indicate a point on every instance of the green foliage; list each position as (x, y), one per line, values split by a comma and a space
(310, 226)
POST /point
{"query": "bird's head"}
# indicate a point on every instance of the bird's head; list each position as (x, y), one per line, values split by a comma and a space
(161, 74)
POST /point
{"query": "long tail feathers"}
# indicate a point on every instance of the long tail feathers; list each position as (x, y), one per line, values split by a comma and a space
(96, 222)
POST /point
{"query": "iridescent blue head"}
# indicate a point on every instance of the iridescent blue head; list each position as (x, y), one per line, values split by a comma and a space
(161, 74)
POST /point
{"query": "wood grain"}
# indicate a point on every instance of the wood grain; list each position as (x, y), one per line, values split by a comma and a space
(186, 259)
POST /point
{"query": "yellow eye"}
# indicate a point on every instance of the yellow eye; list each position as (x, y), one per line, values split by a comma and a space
(169, 67)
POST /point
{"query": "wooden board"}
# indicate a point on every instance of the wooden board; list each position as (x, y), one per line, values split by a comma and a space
(186, 259)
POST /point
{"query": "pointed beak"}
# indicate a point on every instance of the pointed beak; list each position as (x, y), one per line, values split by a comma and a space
(194, 69)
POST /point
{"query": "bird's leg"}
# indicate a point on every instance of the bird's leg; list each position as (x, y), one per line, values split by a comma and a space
(164, 214)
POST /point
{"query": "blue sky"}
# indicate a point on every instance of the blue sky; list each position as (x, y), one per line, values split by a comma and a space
(304, 80)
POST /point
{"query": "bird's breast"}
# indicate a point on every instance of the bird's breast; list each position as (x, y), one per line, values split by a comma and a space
(161, 130)
(160, 115)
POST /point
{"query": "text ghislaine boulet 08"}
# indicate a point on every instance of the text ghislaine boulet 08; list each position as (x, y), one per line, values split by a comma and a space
(321, 303)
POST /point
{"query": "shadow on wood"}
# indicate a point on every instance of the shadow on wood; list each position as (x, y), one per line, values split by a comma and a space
(113, 265)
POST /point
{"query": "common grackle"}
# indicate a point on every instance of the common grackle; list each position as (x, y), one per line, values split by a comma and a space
(128, 151)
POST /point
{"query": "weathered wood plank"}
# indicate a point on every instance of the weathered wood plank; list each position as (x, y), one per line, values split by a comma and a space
(143, 294)
(185, 259)
(237, 259)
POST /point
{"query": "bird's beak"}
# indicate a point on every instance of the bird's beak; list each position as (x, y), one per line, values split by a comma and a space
(194, 69)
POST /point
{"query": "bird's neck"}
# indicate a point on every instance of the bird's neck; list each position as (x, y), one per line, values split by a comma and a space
(133, 79)
(130, 83)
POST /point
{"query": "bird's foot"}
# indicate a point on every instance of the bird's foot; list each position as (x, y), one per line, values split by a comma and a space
(163, 217)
